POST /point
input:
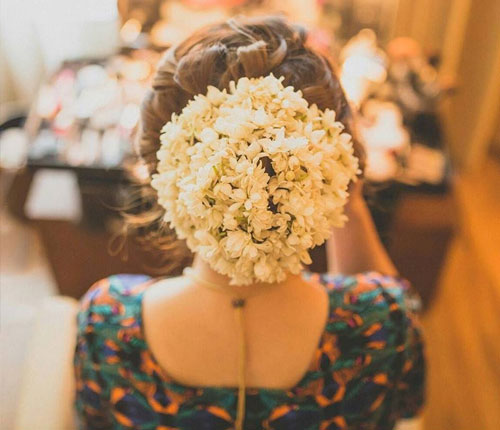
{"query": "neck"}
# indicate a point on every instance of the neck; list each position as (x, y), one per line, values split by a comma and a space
(204, 272)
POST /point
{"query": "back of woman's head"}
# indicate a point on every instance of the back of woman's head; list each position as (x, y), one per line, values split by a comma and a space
(215, 56)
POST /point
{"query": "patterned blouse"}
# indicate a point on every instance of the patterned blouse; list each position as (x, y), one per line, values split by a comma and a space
(368, 370)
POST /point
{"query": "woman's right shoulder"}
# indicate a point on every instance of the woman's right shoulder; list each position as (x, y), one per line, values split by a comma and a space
(112, 301)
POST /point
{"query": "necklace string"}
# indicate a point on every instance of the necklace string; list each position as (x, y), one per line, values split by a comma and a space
(238, 305)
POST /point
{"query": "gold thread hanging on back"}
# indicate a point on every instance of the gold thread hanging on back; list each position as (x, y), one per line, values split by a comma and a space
(238, 305)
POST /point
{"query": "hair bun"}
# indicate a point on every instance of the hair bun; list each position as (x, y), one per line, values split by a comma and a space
(217, 55)
(198, 68)
(253, 59)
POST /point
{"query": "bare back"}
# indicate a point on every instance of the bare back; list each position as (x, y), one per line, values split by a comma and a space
(192, 333)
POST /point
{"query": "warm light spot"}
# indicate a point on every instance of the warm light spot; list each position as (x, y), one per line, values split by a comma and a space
(130, 30)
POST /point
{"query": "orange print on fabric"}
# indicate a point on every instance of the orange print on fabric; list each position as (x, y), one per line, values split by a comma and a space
(378, 401)
(94, 386)
(380, 379)
(220, 412)
(279, 412)
(338, 421)
(374, 328)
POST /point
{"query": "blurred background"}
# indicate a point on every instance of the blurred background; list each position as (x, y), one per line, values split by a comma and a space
(424, 76)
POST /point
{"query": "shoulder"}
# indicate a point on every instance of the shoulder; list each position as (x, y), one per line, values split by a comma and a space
(373, 340)
(372, 311)
(111, 303)
(370, 291)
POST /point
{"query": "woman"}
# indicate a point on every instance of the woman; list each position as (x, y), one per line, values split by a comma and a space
(250, 177)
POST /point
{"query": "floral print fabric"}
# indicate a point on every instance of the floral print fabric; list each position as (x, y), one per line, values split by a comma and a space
(367, 372)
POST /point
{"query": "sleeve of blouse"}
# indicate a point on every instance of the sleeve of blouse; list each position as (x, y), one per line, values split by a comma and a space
(411, 386)
(91, 389)
(406, 340)
(376, 316)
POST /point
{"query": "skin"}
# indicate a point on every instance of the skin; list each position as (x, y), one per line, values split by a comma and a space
(357, 247)
(193, 335)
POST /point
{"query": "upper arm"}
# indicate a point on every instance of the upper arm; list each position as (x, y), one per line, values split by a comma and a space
(404, 343)
(375, 324)
(411, 385)
(92, 391)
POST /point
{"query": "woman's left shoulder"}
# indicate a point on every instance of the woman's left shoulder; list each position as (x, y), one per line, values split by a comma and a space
(371, 291)
(380, 310)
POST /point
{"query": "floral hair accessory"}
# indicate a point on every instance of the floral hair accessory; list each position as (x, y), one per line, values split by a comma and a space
(254, 177)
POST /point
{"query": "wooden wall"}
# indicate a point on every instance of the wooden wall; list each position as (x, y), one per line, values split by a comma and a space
(472, 114)
(424, 20)
(467, 33)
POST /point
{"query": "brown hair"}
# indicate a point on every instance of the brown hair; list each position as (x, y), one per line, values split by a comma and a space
(216, 55)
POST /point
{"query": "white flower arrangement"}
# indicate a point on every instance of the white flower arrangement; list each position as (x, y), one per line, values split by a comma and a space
(254, 177)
